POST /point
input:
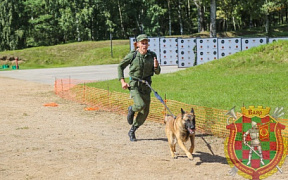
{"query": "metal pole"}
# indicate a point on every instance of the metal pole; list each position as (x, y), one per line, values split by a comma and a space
(111, 44)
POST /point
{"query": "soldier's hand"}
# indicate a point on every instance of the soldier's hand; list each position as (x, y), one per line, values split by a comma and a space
(156, 64)
(124, 84)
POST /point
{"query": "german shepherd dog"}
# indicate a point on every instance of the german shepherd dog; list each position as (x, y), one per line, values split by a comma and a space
(180, 130)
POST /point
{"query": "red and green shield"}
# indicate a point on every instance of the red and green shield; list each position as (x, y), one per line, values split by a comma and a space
(273, 145)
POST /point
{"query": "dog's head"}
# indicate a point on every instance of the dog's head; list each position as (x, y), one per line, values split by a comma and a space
(189, 120)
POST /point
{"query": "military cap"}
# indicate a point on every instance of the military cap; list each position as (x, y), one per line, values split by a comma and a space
(141, 37)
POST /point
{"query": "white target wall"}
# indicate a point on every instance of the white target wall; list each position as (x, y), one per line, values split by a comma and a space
(271, 40)
(154, 46)
(248, 43)
(228, 46)
(186, 54)
(169, 51)
(180, 51)
(206, 50)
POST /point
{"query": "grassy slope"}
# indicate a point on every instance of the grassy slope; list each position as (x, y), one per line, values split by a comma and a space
(74, 54)
(254, 77)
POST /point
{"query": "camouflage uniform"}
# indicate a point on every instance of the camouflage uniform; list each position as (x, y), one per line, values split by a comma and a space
(141, 67)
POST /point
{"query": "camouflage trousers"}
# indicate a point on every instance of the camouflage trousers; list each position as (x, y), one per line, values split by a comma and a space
(141, 105)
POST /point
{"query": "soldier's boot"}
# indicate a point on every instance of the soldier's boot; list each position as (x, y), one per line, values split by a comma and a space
(131, 133)
(130, 115)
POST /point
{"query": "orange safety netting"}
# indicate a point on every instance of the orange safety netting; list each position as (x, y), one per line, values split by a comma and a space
(209, 120)
(51, 104)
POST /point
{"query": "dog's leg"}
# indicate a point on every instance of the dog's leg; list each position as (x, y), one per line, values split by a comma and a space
(174, 145)
(181, 144)
(192, 140)
(171, 141)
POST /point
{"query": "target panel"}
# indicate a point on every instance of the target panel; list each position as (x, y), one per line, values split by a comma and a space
(248, 43)
(207, 50)
(169, 51)
(276, 39)
(228, 46)
(186, 55)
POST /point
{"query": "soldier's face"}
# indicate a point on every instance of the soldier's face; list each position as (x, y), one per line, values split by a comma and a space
(143, 46)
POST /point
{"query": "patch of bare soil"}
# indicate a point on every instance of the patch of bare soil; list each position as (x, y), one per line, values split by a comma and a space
(67, 142)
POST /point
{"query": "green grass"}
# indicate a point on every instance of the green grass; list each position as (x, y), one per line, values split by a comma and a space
(258, 76)
(67, 55)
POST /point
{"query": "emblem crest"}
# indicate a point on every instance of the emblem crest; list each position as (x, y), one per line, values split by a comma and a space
(255, 147)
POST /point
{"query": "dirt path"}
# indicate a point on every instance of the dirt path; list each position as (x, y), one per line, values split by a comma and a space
(67, 142)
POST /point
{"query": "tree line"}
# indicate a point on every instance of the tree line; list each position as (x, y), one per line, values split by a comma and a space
(30, 23)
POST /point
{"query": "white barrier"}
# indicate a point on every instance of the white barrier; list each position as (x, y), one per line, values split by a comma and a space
(180, 51)
(271, 40)
(186, 53)
(206, 50)
(248, 43)
(169, 51)
(228, 46)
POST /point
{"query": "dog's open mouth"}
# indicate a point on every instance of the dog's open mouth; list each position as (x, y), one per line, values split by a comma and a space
(191, 131)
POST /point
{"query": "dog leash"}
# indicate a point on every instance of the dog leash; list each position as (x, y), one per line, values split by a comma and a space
(157, 96)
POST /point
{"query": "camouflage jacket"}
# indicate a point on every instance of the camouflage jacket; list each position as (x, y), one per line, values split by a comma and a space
(141, 67)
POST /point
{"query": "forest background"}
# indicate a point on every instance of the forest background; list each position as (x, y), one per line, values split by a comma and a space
(33, 23)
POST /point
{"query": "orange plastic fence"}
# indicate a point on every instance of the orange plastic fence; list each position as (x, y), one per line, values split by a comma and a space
(209, 120)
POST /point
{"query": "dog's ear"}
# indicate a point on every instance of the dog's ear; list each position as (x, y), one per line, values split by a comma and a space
(192, 110)
(182, 112)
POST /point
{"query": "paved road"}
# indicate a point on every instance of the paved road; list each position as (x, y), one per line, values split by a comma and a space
(94, 73)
